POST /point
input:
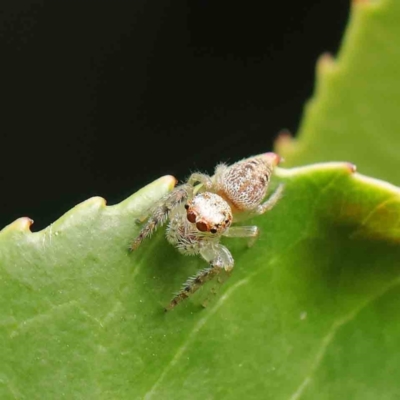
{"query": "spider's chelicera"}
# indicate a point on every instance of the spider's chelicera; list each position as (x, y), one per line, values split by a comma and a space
(203, 209)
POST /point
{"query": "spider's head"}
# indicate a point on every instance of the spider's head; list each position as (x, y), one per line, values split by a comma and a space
(210, 212)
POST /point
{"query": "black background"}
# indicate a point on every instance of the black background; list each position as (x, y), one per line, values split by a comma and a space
(101, 98)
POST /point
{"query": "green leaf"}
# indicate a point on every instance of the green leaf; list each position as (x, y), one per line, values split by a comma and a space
(310, 311)
(354, 115)
(81, 317)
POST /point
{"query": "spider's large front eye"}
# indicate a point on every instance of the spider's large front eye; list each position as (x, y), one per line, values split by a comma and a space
(213, 230)
(202, 226)
(191, 216)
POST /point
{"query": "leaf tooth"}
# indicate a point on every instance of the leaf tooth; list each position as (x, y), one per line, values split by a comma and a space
(22, 224)
(325, 64)
(95, 201)
(285, 142)
(352, 167)
(140, 201)
(361, 2)
(170, 180)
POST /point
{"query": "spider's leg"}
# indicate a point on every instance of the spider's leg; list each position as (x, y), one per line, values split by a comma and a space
(160, 212)
(142, 218)
(220, 260)
(198, 177)
(271, 202)
(250, 232)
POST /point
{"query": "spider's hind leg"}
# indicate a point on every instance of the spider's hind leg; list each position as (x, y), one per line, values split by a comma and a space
(271, 202)
(159, 213)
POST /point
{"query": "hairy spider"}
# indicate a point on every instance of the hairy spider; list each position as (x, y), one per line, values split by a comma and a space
(202, 210)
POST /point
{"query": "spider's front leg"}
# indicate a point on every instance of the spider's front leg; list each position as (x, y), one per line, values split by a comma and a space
(220, 259)
(250, 232)
(160, 212)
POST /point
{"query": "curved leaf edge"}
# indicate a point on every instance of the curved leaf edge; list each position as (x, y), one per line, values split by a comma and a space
(138, 203)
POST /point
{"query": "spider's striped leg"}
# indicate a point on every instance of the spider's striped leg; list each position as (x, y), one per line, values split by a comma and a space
(160, 212)
(220, 260)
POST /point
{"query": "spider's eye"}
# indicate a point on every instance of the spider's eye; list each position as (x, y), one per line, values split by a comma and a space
(186, 206)
(213, 230)
(202, 226)
(191, 216)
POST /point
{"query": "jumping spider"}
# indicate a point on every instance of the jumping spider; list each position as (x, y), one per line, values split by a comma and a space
(202, 210)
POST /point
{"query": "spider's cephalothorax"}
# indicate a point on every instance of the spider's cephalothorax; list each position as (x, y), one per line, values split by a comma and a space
(196, 228)
(199, 215)
(206, 218)
(209, 212)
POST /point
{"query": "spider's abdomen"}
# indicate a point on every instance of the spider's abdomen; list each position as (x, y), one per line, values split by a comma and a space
(245, 184)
